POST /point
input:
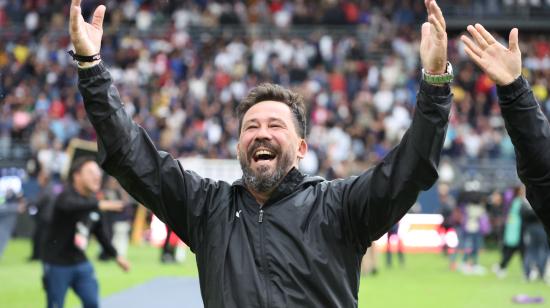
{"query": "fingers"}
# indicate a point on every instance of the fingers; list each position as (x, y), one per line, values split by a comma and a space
(436, 10)
(473, 56)
(471, 45)
(426, 30)
(486, 35)
(440, 31)
(477, 37)
(75, 2)
(97, 19)
(513, 41)
(74, 17)
(435, 18)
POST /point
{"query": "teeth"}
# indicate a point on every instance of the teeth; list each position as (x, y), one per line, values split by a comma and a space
(263, 152)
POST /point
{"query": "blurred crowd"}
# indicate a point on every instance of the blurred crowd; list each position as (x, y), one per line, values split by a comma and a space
(147, 14)
(497, 219)
(182, 87)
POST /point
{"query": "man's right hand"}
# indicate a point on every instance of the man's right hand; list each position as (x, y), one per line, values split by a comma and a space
(123, 263)
(86, 37)
(111, 205)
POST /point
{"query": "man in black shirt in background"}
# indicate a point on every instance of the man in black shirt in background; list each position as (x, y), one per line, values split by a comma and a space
(76, 215)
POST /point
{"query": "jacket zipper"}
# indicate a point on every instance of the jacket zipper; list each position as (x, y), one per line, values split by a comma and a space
(261, 216)
(264, 260)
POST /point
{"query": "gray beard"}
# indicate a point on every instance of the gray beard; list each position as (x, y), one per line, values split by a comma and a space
(263, 181)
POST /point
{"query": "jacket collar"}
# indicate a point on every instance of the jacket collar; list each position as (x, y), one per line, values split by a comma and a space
(289, 184)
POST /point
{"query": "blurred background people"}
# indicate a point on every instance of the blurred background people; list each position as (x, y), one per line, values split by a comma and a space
(10, 206)
(512, 238)
(447, 207)
(42, 211)
(474, 226)
(76, 216)
(394, 242)
(535, 245)
(117, 224)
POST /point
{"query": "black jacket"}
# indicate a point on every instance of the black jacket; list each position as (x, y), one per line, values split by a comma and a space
(303, 248)
(530, 133)
(70, 209)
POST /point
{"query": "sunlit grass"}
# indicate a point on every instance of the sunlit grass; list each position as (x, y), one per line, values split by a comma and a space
(424, 281)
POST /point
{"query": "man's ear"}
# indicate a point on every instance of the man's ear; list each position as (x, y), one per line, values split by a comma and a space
(302, 149)
(237, 147)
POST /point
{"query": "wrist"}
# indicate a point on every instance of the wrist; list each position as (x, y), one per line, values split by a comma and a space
(507, 81)
(85, 65)
(436, 71)
(439, 78)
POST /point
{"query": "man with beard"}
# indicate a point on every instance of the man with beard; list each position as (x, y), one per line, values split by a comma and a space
(275, 238)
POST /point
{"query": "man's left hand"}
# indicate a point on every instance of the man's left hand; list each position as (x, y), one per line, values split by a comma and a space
(433, 46)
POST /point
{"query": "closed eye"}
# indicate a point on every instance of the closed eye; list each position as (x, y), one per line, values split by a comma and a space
(276, 125)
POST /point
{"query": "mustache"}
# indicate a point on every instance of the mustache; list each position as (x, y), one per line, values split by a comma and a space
(261, 144)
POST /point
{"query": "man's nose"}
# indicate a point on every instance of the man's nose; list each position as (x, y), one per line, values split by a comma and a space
(263, 133)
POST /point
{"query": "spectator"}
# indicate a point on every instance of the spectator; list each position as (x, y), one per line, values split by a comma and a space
(512, 242)
(447, 209)
(9, 207)
(393, 237)
(117, 225)
(535, 243)
(43, 212)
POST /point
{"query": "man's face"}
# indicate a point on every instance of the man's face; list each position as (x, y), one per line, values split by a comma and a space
(89, 177)
(269, 145)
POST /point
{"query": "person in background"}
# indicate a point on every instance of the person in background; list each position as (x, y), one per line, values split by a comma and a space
(511, 240)
(43, 211)
(10, 206)
(369, 262)
(457, 220)
(393, 236)
(535, 243)
(76, 216)
(447, 206)
(117, 224)
(474, 230)
(495, 210)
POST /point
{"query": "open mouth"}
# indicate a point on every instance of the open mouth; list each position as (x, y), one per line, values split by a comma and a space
(263, 155)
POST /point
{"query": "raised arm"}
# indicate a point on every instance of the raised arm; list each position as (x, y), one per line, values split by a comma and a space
(526, 124)
(380, 197)
(180, 198)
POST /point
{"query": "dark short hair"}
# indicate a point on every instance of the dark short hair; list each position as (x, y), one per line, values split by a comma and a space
(274, 92)
(77, 165)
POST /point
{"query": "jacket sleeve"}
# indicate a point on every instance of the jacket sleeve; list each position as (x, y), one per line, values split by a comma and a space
(178, 197)
(70, 201)
(380, 197)
(530, 133)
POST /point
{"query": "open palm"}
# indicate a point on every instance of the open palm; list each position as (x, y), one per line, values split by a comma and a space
(86, 37)
(502, 65)
(433, 44)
